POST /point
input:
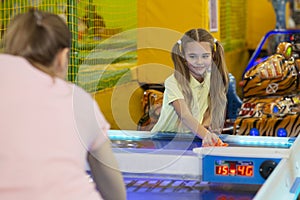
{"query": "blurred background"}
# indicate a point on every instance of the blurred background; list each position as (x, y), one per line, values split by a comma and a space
(121, 47)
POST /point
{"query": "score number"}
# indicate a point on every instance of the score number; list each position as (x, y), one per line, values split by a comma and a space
(232, 168)
(244, 170)
(222, 170)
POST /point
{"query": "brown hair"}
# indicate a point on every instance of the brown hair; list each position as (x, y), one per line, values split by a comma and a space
(38, 37)
(219, 73)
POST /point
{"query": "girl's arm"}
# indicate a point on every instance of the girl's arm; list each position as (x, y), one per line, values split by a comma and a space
(185, 115)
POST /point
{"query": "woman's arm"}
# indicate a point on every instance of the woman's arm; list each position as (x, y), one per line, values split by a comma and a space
(106, 173)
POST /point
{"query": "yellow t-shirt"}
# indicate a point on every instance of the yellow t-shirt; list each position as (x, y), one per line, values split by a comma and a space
(168, 120)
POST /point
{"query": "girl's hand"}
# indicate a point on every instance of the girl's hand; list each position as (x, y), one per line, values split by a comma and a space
(211, 139)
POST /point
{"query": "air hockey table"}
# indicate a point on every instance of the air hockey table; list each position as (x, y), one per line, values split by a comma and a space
(174, 166)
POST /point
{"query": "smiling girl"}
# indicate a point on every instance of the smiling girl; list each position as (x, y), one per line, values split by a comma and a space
(195, 95)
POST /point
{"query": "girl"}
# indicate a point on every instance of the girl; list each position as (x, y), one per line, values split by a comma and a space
(49, 127)
(195, 95)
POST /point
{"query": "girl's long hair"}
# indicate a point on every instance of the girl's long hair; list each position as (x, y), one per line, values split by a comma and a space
(219, 74)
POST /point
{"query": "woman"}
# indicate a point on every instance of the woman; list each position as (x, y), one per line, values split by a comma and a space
(49, 127)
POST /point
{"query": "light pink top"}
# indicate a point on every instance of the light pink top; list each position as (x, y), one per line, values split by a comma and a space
(46, 127)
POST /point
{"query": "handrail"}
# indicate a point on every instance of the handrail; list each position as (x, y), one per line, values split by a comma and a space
(262, 42)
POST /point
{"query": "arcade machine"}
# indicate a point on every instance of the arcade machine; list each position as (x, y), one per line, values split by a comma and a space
(271, 87)
(175, 166)
(271, 91)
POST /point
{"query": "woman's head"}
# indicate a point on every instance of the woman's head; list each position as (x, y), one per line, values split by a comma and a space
(39, 37)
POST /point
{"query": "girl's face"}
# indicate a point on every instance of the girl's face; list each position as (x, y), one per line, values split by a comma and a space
(198, 56)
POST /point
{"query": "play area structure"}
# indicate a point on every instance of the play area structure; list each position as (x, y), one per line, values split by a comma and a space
(120, 48)
(121, 55)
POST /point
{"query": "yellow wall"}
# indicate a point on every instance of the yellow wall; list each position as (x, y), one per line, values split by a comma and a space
(121, 105)
(260, 20)
(160, 25)
(236, 63)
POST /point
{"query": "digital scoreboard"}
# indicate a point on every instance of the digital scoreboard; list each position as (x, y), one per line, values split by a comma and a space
(234, 168)
(240, 165)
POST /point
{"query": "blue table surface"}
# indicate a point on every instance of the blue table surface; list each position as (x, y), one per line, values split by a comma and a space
(188, 141)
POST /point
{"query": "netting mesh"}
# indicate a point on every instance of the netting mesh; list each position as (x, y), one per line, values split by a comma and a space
(233, 23)
(103, 48)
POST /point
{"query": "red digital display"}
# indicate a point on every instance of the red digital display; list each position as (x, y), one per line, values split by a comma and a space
(244, 170)
(234, 168)
(222, 170)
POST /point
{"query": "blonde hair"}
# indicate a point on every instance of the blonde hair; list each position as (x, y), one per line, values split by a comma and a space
(38, 37)
(219, 74)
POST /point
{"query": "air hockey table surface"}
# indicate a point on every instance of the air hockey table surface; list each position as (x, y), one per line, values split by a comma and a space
(149, 185)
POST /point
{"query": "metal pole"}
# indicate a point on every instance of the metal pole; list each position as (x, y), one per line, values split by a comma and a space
(72, 21)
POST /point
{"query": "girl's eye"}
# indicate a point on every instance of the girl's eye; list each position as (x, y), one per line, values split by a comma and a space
(205, 56)
(192, 56)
